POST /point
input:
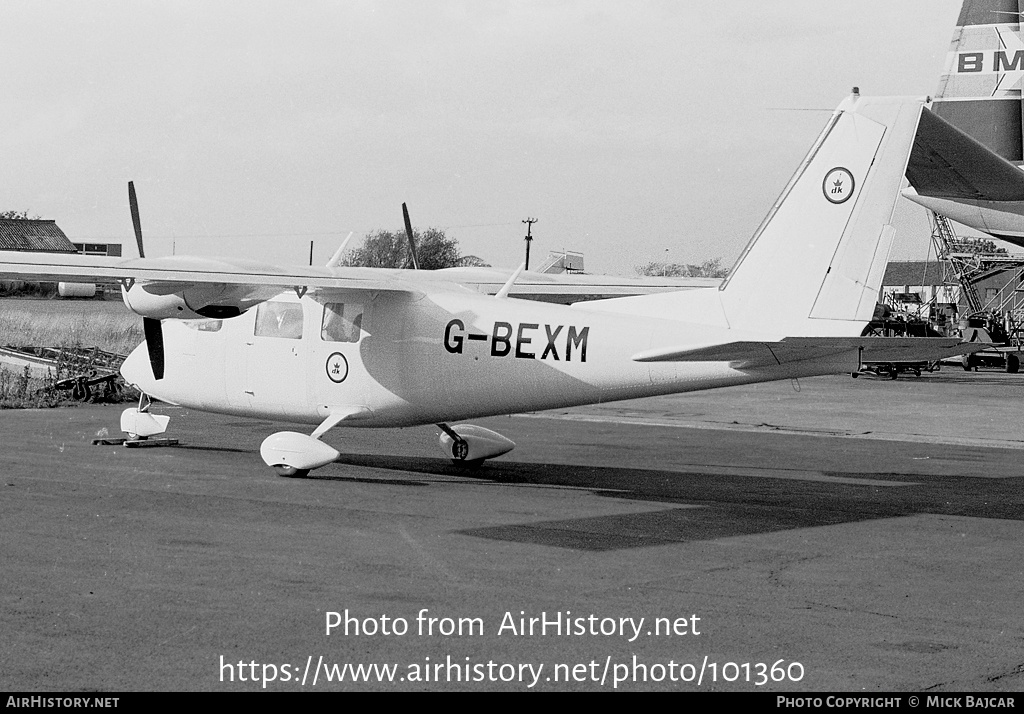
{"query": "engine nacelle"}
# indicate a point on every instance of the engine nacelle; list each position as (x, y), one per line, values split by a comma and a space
(157, 305)
(296, 451)
(477, 443)
(194, 301)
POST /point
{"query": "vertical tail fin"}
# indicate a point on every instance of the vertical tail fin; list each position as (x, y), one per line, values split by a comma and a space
(980, 90)
(975, 179)
(815, 265)
(821, 252)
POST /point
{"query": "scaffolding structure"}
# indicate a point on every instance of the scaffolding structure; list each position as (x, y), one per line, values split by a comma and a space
(1005, 307)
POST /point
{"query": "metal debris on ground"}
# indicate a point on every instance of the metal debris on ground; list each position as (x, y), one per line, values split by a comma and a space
(93, 373)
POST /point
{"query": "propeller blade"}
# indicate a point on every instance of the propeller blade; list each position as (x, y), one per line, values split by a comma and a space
(133, 203)
(408, 233)
(155, 344)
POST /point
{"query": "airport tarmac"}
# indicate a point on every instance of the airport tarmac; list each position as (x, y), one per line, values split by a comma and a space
(855, 535)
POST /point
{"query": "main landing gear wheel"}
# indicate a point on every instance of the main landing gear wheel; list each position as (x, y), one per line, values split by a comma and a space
(1012, 363)
(460, 449)
(290, 471)
(468, 445)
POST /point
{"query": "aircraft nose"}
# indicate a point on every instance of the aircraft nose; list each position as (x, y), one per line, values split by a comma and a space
(136, 369)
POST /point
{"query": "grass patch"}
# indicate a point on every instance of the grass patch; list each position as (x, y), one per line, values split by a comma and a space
(19, 389)
(62, 323)
(65, 323)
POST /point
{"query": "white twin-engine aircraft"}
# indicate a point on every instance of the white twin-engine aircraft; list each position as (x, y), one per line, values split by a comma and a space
(367, 347)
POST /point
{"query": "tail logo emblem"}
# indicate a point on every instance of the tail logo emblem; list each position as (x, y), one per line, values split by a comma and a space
(838, 185)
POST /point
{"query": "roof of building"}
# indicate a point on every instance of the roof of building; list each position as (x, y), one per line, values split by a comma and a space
(33, 234)
(913, 272)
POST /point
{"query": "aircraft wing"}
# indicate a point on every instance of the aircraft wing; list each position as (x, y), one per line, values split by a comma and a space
(173, 273)
(567, 287)
(749, 355)
(181, 271)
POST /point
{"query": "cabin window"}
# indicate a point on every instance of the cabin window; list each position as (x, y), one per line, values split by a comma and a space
(342, 322)
(203, 325)
(279, 319)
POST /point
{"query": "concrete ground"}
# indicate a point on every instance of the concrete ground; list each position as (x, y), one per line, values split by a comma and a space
(854, 535)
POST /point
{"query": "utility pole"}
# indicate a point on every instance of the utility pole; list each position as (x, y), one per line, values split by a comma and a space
(529, 238)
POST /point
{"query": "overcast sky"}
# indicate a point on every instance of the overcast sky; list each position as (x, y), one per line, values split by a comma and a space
(633, 131)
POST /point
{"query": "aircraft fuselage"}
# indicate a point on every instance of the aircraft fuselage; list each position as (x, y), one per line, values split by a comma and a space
(419, 359)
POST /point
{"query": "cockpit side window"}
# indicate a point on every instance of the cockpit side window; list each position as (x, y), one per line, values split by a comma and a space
(203, 325)
(342, 322)
(279, 319)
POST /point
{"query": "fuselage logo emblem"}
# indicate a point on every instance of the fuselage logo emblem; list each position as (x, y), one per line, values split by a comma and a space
(337, 367)
(838, 185)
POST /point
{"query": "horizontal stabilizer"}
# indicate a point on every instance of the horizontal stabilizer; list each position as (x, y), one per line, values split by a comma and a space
(947, 163)
(957, 177)
(749, 355)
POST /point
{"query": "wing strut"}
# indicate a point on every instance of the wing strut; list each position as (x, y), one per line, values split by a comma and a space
(503, 293)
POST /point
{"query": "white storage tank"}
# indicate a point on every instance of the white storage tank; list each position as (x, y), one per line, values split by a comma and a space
(82, 290)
